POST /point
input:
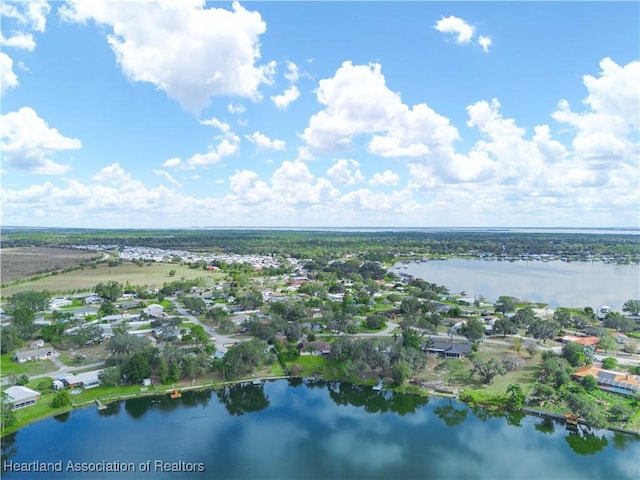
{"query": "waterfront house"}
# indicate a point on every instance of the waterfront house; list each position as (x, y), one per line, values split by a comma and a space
(448, 349)
(21, 397)
(75, 380)
(315, 348)
(610, 380)
(581, 340)
(35, 355)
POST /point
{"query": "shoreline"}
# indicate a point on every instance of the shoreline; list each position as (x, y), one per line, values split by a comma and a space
(214, 386)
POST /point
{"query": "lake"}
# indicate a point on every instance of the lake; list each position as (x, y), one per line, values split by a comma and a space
(560, 284)
(292, 430)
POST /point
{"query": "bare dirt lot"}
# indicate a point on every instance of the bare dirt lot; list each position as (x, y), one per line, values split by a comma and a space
(23, 262)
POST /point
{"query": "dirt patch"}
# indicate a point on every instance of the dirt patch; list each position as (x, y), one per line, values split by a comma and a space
(24, 262)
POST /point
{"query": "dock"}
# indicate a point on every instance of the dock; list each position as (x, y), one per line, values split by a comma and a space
(101, 406)
(378, 387)
(175, 394)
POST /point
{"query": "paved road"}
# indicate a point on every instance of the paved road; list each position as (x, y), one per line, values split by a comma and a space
(220, 339)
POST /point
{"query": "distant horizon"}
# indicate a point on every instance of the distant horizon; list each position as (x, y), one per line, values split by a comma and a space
(321, 228)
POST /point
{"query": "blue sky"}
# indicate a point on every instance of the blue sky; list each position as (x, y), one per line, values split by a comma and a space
(180, 113)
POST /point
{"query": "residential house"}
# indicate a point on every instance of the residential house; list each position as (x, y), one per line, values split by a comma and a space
(21, 396)
(35, 355)
(610, 380)
(591, 341)
(77, 380)
(154, 310)
(37, 344)
(448, 349)
(315, 348)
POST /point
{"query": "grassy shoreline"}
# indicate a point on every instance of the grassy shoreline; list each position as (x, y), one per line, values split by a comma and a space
(90, 396)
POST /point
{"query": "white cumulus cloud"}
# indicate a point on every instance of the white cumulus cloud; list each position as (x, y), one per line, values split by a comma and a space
(386, 178)
(265, 143)
(463, 32)
(32, 13)
(8, 78)
(191, 52)
(345, 172)
(457, 26)
(286, 98)
(28, 142)
(18, 40)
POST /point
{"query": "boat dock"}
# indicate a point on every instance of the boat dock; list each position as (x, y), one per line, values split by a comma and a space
(101, 406)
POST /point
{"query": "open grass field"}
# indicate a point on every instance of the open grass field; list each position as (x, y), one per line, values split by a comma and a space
(153, 275)
(22, 262)
(9, 367)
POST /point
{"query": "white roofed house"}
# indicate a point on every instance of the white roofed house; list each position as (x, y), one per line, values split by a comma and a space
(154, 310)
(22, 397)
(35, 355)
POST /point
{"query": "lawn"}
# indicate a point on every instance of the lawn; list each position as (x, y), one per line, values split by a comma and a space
(153, 275)
(9, 367)
(311, 365)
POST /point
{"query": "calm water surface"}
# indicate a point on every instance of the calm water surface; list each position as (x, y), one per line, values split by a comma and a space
(289, 430)
(560, 284)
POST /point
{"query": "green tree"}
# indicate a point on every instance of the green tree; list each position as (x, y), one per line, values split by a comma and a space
(24, 322)
(574, 353)
(589, 383)
(504, 327)
(524, 316)
(111, 290)
(607, 342)
(515, 396)
(61, 399)
(505, 304)
(107, 308)
(110, 376)
(172, 272)
(451, 367)
(7, 414)
(632, 307)
(34, 301)
(543, 329)
(487, 371)
(11, 339)
(375, 322)
(609, 363)
(198, 336)
(136, 368)
(400, 372)
(621, 411)
(618, 322)
(243, 358)
(473, 330)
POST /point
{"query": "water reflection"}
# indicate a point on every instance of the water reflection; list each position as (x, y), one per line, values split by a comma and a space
(584, 442)
(240, 399)
(325, 430)
(451, 415)
(63, 417)
(545, 425)
(374, 401)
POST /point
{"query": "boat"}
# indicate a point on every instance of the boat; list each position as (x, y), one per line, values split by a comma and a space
(176, 393)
